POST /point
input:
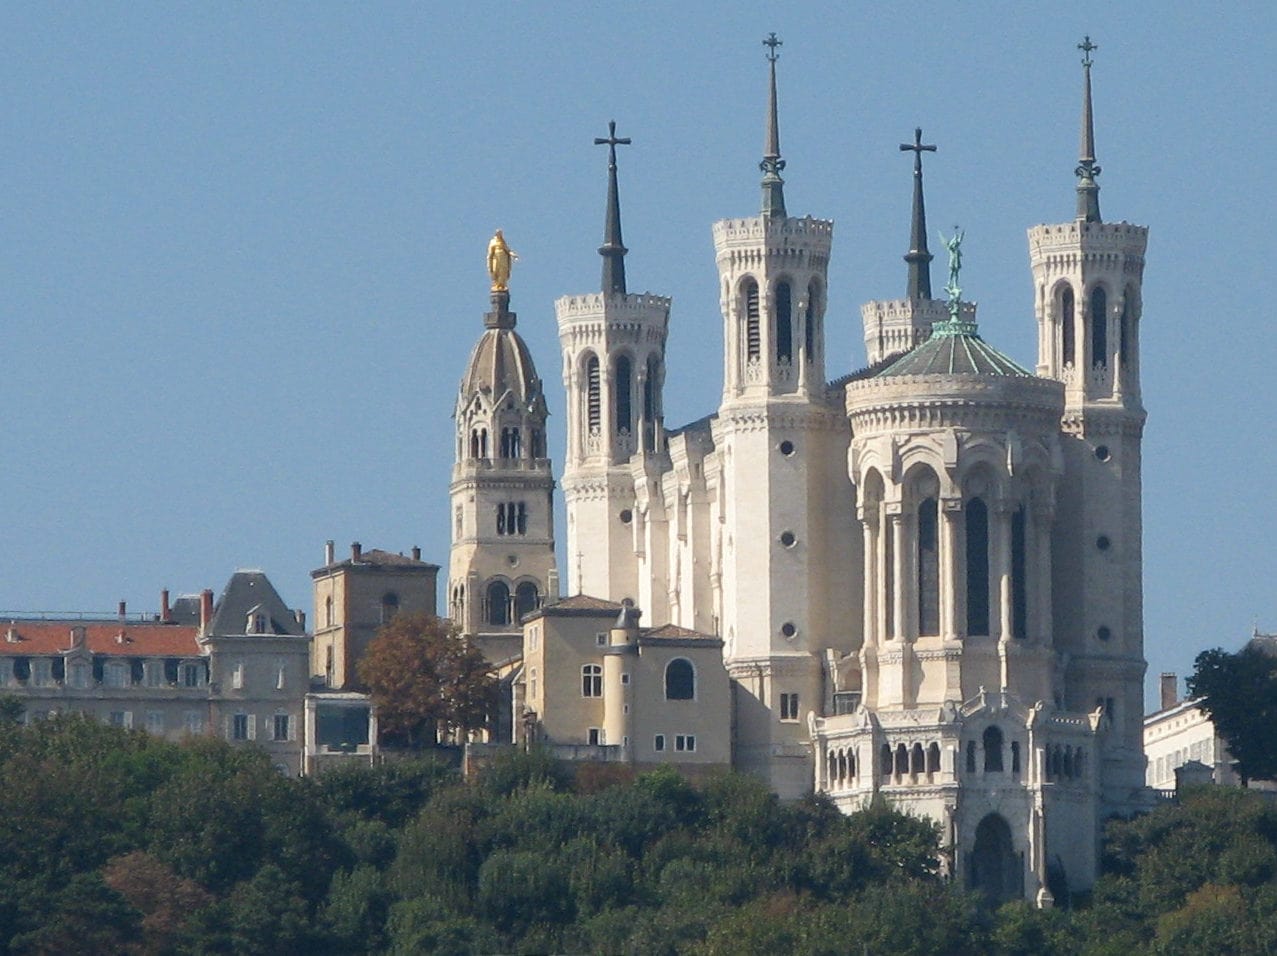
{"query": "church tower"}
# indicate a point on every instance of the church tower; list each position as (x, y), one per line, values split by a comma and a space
(502, 559)
(1087, 278)
(613, 344)
(785, 510)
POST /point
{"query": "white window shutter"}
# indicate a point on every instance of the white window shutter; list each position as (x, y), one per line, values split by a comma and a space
(252, 727)
(292, 727)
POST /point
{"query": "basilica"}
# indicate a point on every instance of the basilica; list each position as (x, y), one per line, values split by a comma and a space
(919, 581)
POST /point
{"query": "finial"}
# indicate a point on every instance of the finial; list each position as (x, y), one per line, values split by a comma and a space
(918, 257)
(500, 258)
(952, 289)
(1088, 191)
(772, 164)
(613, 249)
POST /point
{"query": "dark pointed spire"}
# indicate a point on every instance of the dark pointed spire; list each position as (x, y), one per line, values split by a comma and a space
(772, 164)
(1088, 190)
(918, 257)
(613, 249)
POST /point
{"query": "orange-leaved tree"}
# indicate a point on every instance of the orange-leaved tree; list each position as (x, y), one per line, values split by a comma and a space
(426, 680)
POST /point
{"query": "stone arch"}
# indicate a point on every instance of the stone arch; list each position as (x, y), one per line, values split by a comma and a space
(527, 598)
(750, 311)
(623, 392)
(1097, 321)
(783, 299)
(994, 868)
(591, 392)
(1064, 297)
(812, 312)
(497, 603)
(680, 679)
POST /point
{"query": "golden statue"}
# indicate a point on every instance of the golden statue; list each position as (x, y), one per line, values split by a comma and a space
(500, 257)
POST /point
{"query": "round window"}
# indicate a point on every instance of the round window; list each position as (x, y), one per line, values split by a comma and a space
(1103, 633)
(627, 516)
(1103, 542)
(787, 539)
(788, 629)
(787, 448)
(1102, 452)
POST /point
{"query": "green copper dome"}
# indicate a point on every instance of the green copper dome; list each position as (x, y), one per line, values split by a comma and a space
(954, 348)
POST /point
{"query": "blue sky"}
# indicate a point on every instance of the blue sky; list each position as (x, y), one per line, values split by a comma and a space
(242, 250)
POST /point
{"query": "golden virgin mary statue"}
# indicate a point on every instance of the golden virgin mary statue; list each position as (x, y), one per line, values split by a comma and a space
(500, 258)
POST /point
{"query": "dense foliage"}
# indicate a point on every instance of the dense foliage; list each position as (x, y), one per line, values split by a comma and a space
(1239, 692)
(427, 680)
(115, 842)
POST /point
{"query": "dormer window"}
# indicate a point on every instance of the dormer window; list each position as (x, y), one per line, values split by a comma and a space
(257, 623)
(115, 674)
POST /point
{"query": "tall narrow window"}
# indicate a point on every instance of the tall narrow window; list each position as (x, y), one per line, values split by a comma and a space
(886, 529)
(538, 443)
(498, 604)
(591, 680)
(1124, 330)
(753, 335)
(809, 324)
(1019, 576)
(511, 443)
(593, 406)
(623, 386)
(977, 567)
(1066, 327)
(389, 606)
(784, 323)
(1099, 328)
(928, 568)
(992, 750)
(680, 680)
(650, 412)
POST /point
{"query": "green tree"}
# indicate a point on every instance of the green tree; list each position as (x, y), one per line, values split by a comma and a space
(1239, 692)
(424, 678)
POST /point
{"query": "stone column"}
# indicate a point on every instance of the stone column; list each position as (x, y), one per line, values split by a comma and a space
(899, 575)
(869, 519)
(1000, 565)
(953, 576)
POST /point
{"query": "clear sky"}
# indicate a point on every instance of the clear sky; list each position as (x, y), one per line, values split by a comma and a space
(242, 259)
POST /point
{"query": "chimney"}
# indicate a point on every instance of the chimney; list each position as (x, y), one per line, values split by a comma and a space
(77, 636)
(166, 615)
(416, 553)
(329, 554)
(1169, 685)
(206, 610)
(11, 635)
(123, 610)
(300, 616)
(356, 551)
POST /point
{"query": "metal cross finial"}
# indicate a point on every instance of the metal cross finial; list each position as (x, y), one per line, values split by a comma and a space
(612, 142)
(771, 42)
(1086, 46)
(917, 148)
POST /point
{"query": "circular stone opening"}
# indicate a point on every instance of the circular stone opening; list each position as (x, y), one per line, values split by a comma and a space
(1102, 452)
(788, 629)
(1103, 633)
(1103, 542)
(787, 448)
(627, 516)
(787, 539)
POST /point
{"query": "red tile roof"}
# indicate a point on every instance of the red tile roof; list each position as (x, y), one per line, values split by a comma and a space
(583, 602)
(49, 638)
(669, 632)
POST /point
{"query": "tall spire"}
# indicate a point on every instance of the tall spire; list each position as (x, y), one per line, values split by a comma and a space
(613, 249)
(918, 257)
(1088, 191)
(772, 164)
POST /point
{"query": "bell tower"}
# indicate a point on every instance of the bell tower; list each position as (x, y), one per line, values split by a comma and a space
(1087, 277)
(502, 562)
(613, 344)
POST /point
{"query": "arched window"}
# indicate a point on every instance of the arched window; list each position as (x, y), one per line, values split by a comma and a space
(992, 750)
(995, 869)
(510, 443)
(928, 568)
(526, 599)
(680, 680)
(591, 680)
(1015, 756)
(389, 606)
(538, 443)
(474, 443)
(835, 766)
(917, 760)
(977, 567)
(328, 611)
(933, 758)
(784, 324)
(753, 334)
(902, 760)
(498, 604)
(884, 757)
(622, 386)
(809, 323)
(1019, 576)
(593, 399)
(970, 756)
(1124, 331)
(1066, 327)
(1099, 328)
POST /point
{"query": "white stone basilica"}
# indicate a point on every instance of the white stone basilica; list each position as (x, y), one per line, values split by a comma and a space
(985, 670)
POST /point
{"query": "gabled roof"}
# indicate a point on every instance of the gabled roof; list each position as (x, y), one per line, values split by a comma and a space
(672, 632)
(248, 592)
(50, 638)
(584, 602)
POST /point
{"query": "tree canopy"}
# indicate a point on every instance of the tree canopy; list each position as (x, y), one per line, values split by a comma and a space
(426, 679)
(1239, 692)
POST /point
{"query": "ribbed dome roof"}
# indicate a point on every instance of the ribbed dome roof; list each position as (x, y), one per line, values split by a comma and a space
(501, 363)
(954, 348)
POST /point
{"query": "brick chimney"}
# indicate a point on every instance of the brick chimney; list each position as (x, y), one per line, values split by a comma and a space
(123, 610)
(329, 554)
(1169, 686)
(300, 617)
(416, 553)
(206, 610)
(356, 551)
(166, 614)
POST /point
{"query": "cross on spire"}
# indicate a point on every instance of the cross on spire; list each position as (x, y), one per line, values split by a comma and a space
(1086, 46)
(772, 42)
(613, 249)
(772, 164)
(918, 257)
